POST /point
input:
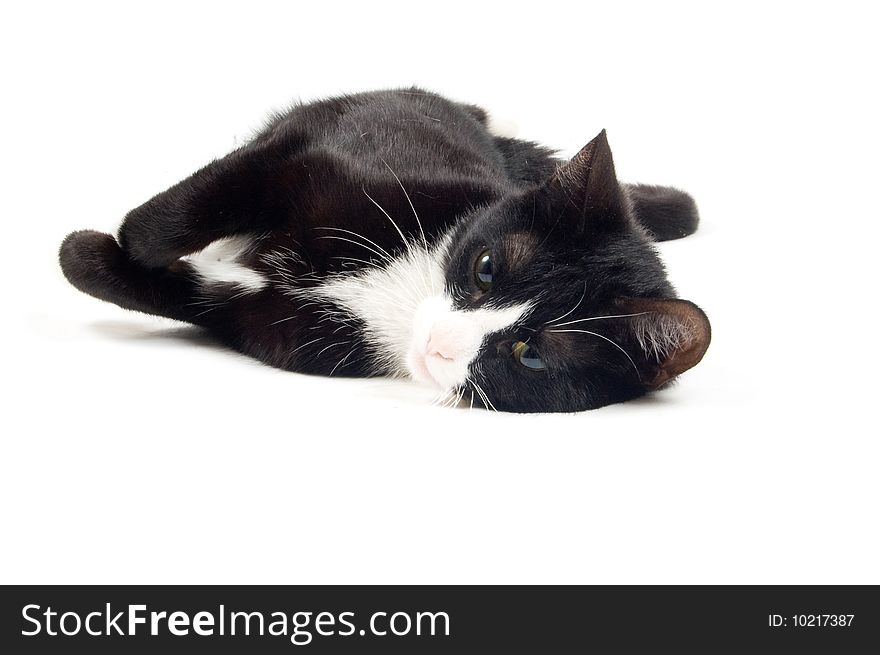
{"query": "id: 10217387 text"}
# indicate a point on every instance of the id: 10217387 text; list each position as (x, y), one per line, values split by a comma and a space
(810, 620)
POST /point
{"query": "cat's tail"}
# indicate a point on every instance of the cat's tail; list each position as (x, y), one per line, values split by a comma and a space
(666, 212)
(94, 263)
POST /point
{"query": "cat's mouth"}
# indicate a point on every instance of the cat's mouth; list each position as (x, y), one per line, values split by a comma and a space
(419, 371)
(433, 369)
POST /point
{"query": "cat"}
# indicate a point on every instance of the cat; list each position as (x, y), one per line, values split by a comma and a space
(391, 233)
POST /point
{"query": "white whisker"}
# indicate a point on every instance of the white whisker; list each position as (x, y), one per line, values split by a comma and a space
(339, 343)
(341, 361)
(484, 396)
(569, 312)
(354, 259)
(375, 252)
(360, 236)
(387, 215)
(399, 231)
(459, 396)
(441, 397)
(613, 343)
(418, 221)
(594, 318)
(307, 343)
(289, 318)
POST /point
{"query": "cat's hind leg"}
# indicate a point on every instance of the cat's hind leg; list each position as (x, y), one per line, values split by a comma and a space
(94, 263)
(248, 191)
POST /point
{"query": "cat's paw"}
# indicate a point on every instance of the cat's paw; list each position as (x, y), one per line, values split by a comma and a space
(89, 260)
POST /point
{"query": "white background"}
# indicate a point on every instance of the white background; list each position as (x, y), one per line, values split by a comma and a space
(134, 450)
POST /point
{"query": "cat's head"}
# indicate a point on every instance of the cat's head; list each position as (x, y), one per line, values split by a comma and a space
(555, 300)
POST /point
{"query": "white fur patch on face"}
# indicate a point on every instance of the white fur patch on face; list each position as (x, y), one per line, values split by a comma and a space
(410, 321)
(446, 341)
(219, 262)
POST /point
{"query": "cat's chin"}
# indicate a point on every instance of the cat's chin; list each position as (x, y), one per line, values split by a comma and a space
(438, 376)
(419, 371)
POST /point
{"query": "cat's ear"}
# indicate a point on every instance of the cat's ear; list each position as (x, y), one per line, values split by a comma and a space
(672, 335)
(585, 189)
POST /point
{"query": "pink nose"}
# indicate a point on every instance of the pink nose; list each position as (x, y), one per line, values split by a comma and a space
(444, 339)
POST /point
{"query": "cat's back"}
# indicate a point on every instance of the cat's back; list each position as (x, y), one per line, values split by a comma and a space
(410, 132)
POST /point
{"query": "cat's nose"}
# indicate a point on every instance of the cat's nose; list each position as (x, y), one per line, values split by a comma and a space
(445, 339)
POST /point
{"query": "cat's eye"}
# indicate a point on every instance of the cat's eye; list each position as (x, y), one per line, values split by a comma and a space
(527, 356)
(484, 271)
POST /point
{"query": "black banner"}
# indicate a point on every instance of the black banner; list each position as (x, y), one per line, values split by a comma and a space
(449, 619)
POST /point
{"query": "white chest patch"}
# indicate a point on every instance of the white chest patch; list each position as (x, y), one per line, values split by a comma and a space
(220, 262)
(410, 320)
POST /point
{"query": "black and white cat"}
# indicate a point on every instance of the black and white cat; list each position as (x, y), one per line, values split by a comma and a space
(391, 233)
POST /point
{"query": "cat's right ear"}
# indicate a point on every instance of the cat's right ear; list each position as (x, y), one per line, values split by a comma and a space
(673, 335)
(584, 192)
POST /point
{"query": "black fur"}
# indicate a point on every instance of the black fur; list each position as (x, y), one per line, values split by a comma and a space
(565, 235)
(667, 213)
